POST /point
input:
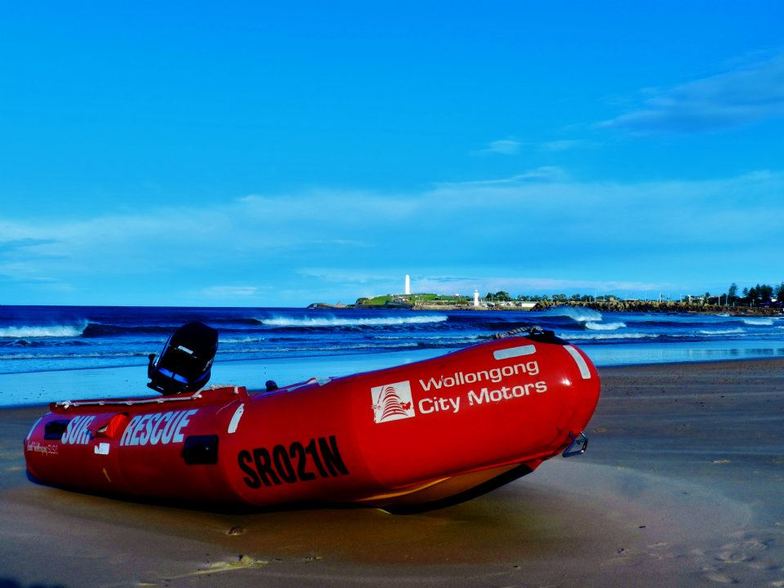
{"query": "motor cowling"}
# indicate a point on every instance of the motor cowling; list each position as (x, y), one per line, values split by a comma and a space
(185, 363)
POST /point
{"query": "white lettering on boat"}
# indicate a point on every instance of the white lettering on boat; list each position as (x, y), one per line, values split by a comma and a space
(157, 428)
(486, 396)
(495, 375)
(438, 404)
(78, 432)
(48, 449)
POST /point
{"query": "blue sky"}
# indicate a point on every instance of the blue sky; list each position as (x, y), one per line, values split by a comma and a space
(242, 154)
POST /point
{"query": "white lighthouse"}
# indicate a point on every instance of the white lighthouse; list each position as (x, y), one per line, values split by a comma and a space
(407, 289)
(476, 298)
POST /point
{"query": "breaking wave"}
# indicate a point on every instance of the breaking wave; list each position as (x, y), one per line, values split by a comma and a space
(94, 355)
(737, 331)
(25, 332)
(248, 339)
(758, 322)
(607, 336)
(580, 315)
(321, 322)
(592, 326)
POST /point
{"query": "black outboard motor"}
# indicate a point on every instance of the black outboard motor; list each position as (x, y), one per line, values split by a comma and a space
(185, 362)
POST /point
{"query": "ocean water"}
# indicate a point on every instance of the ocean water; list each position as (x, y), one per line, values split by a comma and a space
(51, 353)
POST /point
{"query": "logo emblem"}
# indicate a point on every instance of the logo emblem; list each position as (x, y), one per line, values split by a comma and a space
(392, 402)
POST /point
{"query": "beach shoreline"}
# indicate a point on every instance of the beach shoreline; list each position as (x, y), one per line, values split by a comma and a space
(679, 486)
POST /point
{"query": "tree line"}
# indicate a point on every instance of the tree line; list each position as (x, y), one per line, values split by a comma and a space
(758, 295)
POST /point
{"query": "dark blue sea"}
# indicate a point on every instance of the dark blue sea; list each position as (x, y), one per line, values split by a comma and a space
(51, 353)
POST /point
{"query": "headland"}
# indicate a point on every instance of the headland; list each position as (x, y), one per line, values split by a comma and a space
(431, 302)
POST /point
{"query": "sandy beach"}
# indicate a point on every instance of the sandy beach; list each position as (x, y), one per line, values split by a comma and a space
(681, 485)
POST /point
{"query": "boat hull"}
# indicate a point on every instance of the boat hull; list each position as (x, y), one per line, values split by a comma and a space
(406, 437)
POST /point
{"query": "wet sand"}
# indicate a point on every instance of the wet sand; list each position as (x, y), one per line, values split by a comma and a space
(682, 484)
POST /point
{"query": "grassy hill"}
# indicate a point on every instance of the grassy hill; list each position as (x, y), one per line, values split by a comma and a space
(411, 300)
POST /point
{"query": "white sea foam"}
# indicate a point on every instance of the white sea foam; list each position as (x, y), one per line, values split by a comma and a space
(354, 322)
(304, 349)
(607, 336)
(242, 340)
(737, 331)
(50, 356)
(758, 322)
(604, 326)
(24, 332)
(406, 336)
(580, 315)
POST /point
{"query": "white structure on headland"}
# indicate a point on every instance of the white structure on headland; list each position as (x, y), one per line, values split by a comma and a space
(407, 290)
(476, 298)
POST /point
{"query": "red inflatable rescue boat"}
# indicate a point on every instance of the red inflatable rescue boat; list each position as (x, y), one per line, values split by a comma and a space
(411, 437)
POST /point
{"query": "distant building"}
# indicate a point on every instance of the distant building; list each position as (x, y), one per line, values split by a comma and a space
(476, 298)
(407, 289)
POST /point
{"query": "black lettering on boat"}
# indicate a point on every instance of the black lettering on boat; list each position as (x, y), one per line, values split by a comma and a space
(331, 456)
(291, 463)
(283, 464)
(244, 459)
(261, 458)
(312, 450)
(297, 452)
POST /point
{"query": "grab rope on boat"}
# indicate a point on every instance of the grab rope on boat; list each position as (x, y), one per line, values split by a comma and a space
(533, 332)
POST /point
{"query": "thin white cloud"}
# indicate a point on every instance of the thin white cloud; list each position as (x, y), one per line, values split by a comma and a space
(518, 233)
(349, 276)
(353, 282)
(502, 147)
(547, 173)
(563, 145)
(343, 204)
(745, 94)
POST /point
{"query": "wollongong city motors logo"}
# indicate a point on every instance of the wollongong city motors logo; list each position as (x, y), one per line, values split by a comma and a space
(392, 402)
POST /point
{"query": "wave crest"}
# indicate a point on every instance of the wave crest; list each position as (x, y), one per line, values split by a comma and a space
(592, 326)
(580, 315)
(607, 336)
(32, 332)
(758, 322)
(737, 331)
